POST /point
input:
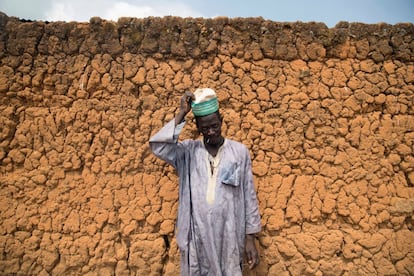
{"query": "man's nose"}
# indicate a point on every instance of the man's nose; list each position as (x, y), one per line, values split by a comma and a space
(211, 131)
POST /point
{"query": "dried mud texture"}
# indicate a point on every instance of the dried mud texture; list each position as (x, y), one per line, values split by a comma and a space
(326, 113)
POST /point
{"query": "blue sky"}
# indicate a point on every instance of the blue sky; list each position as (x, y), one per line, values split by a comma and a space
(329, 12)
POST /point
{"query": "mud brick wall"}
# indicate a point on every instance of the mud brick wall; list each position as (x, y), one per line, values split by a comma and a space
(327, 114)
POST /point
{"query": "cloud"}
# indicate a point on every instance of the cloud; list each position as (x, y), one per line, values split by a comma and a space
(68, 11)
(124, 9)
(83, 10)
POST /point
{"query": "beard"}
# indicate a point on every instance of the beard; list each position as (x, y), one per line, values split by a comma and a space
(214, 140)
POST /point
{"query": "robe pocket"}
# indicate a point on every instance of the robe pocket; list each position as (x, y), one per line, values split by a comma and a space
(231, 175)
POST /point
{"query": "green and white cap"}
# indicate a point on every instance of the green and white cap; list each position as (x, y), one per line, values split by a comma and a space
(205, 102)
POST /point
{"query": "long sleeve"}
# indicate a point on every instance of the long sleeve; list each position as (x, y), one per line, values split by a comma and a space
(164, 144)
(253, 224)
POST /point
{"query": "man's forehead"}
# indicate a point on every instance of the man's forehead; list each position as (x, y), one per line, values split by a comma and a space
(209, 119)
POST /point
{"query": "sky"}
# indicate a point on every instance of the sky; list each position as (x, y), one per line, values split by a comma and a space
(329, 12)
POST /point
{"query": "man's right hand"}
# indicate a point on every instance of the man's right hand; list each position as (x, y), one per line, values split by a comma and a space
(185, 106)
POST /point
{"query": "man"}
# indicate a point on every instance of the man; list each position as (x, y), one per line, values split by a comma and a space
(218, 214)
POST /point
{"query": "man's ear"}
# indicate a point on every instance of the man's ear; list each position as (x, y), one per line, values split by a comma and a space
(198, 128)
(196, 123)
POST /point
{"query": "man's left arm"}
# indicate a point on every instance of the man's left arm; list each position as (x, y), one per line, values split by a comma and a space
(253, 224)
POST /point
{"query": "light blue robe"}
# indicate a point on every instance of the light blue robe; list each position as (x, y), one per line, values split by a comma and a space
(211, 237)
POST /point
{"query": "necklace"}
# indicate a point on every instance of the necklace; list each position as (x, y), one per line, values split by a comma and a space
(214, 162)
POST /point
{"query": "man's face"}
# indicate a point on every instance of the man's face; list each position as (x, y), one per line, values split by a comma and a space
(210, 127)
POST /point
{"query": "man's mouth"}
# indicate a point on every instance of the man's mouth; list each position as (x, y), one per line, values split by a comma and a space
(213, 140)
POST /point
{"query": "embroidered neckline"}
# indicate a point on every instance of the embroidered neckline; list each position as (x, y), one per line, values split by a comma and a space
(214, 161)
(212, 167)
